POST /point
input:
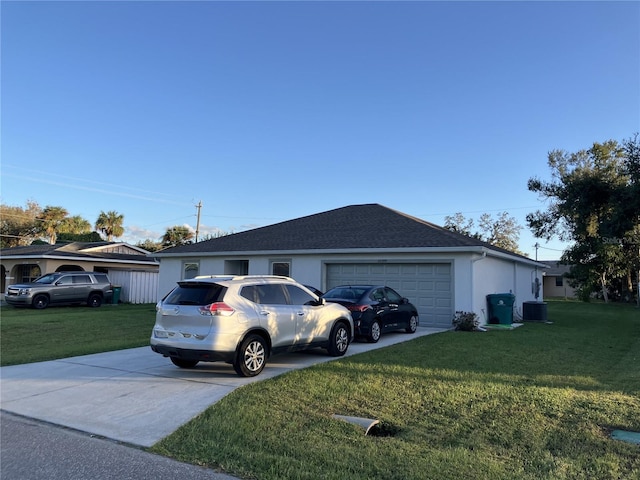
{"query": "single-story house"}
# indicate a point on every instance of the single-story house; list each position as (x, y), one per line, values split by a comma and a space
(554, 281)
(130, 267)
(438, 270)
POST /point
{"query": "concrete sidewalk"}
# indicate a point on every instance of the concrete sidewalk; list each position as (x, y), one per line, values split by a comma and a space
(137, 396)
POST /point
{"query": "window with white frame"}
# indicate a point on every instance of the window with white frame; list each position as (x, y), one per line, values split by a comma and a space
(281, 267)
(190, 270)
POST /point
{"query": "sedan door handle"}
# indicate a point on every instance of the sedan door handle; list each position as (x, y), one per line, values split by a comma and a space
(264, 312)
(300, 314)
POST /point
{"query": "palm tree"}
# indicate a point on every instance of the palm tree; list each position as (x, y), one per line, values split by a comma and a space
(75, 224)
(178, 235)
(52, 218)
(149, 245)
(110, 224)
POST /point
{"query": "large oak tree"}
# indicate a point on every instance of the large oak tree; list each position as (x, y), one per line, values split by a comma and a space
(593, 200)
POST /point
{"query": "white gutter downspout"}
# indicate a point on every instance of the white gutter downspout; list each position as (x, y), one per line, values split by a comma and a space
(473, 292)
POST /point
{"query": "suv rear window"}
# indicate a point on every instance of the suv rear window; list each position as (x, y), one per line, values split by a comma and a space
(101, 277)
(189, 293)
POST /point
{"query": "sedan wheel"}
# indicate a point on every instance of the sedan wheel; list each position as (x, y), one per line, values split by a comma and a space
(374, 333)
(251, 357)
(413, 324)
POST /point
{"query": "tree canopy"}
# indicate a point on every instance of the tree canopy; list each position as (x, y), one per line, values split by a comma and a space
(51, 220)
(177, 235)
(503, 232)
(75, 225)
(27, 225)
(19, 225)
(110, 224)
(593, 200)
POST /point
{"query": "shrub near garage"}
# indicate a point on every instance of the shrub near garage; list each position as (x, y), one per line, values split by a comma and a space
(466, 321)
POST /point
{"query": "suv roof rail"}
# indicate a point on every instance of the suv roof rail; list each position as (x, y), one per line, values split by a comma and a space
(245, 277)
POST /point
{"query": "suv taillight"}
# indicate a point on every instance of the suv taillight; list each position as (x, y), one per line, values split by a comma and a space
(217, 309)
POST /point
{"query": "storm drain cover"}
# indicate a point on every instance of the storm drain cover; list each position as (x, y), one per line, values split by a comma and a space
(625, 436)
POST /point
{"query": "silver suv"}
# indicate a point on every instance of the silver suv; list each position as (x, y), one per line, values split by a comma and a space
(243, 320)
(91, 288)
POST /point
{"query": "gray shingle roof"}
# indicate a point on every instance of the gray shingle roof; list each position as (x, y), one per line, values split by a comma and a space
(370, 226)
(556, 269)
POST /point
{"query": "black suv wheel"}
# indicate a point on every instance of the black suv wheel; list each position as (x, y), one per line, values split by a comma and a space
(251, 357)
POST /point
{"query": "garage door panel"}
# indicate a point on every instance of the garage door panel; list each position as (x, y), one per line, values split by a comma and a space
(443, 270)
(426, 302)
(427, 286)
(409, 269)
(424, 268)
(443, 303)
(361, 270)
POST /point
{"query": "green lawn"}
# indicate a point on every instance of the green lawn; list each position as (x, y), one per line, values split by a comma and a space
(537, 402)
(28, 335)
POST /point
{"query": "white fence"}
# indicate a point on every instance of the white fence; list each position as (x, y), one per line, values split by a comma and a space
(137, 286)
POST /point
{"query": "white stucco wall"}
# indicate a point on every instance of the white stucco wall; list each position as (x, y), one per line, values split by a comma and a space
(473, 275)
(496, 275)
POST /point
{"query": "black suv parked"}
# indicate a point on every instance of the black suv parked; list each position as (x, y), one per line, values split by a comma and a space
(91, 288)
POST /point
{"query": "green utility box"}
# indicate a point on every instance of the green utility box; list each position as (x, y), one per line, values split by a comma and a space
(116, 294)
(500, 308)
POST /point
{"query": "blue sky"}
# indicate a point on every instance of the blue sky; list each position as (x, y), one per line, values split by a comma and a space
(268, 111)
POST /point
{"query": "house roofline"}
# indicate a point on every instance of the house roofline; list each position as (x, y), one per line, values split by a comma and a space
(481, 250)
(78, 259)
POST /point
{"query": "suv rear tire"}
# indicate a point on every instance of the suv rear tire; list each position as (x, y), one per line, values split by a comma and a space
(251, 357)
(95, 300)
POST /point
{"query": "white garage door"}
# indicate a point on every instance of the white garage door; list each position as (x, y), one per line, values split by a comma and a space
(427, 285)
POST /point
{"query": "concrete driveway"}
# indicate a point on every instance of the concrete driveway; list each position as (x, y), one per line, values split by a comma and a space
(137, 396)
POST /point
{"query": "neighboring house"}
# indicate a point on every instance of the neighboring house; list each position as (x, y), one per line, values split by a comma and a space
(554, 281)
(128, 266)
(440, 271)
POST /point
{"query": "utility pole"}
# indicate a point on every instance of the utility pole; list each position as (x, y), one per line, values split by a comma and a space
(536, 288)
(198, 206)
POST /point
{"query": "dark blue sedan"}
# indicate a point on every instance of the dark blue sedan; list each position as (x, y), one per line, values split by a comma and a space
(375, 309)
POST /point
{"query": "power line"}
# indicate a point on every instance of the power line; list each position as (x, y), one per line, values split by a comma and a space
(547, 248)
(477, 211)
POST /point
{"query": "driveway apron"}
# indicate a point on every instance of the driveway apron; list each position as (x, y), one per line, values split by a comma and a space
(137, 396)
